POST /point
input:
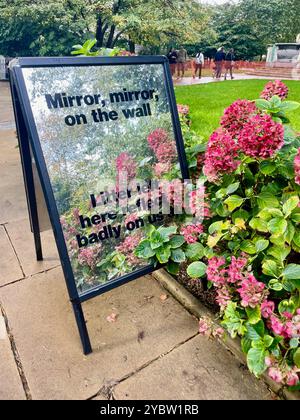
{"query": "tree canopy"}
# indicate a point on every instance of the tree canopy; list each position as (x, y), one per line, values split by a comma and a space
(51, 28)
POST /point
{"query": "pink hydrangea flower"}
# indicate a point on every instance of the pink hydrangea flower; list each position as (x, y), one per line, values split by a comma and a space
(157, 137)
(129, 244)
(191, 232)
(275, 374)
(292, 378)
(276, 325)
(297, 167)
(237, 115)
(87, 257)
(223, 297)
(125, 163)
(197, 205)
(235, 269)
(183, 109)
(218, 332)
(215, 273)
(161, 168)
(251, 291)
(204, 327)
(220, 156)
(273, 88)
(166, 152)
(267, 309)
(261, 137)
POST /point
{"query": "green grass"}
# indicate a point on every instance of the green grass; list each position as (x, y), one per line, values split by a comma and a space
(208, 101)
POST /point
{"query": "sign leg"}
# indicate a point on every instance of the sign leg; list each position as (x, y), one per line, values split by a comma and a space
(81, 324)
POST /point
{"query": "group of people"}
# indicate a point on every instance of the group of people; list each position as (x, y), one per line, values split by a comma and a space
(178, 58)
(226, 60)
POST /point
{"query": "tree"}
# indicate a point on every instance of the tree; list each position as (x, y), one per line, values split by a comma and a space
(30, 27)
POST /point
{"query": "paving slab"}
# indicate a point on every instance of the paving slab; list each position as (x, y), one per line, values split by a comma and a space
(9, 266)
(22, 239)
(13, 205)
(200, 369)
(10, 383)
(46, 336)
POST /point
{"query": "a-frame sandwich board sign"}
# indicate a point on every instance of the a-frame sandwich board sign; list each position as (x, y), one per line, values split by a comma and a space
(87, 123)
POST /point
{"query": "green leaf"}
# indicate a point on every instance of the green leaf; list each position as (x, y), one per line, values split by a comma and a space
(261, 245)
(233, 202)
(194, 251)
(245, 344)
(254, 315)
(277, 226)
(163, 254)
(290, 232)
(267, 167)
(240, 214)
(268, 213)
(177, 255)
(259, 224)
(196, 270)
(279, 253)
(292, 272)
(176, 241)
(156, 240)
(262, 104)
(144, 250)
(248, 247)
(218, 227)
(256, 361)
(286, 306)
(270, 268)
(296, 358)
(288, 106)
(267, 200)
(255, 332)
(275, 285)
(268, 341)
(173, 268)
(232, 188)
(166, 232)
(290, 205)
(296, 238)
(294, 342)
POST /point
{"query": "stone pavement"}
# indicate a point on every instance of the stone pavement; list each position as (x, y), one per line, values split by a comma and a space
(237, 76)
(152, 351)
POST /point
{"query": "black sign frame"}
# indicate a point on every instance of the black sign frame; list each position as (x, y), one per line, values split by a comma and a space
(29, 146)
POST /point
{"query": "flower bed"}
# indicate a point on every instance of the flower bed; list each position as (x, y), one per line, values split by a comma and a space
(243, 243)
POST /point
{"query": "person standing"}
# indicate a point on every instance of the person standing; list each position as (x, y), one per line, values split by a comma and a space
(182, 59)
(229, 63)
(219, 59)
(199, 63)
(172, 57)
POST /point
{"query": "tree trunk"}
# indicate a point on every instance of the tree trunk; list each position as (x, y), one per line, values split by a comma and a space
(131, 46)
(100, 32)
(110, 39)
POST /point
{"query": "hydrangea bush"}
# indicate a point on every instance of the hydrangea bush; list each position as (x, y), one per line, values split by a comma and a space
(248, 246)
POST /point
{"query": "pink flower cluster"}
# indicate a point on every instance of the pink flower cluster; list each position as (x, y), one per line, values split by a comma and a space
(297, 167)
(251, 291)
(261, 137)
(191, 232)
(161, 168)
(237, 115)
(283, 374)
(164, 148)
(183, 109)
(197, 205)
(287, 327)
(207, 328)
(223, 278)
(88, 256)
(171, 192)
(126, 164)
(273, 88)
(221, 155)
(128, 246)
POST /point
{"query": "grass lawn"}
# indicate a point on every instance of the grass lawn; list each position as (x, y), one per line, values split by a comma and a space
(208, 101)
